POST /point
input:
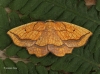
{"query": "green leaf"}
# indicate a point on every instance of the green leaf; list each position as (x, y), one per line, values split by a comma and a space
(23, 53)
(4, 23)
(31, 68)
(97, 45)
(83, 69)
(35, 59)
(10, 66)
(97, 72)
(48, 60)
(4, 41)
(71, 66)
(25, 19)
(44, 14)
(12, 50)
(30, 6)
(14, 20)
(2, 31)
(22, 68)
(98, 5)
(94, 38)
(4, 26)
(2, 67)
(97, 50)
(4, 3)
(59, 64)
(17, 4)
(53, 72)
(41, 70)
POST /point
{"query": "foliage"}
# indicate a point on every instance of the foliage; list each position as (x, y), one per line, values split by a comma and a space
(83, 60)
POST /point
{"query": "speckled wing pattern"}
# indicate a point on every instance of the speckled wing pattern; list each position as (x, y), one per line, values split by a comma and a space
(40, 38)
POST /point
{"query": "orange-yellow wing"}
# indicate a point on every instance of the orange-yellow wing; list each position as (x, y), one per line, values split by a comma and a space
(21, 42)
(77, 43)
(60, 50)
(72, 35)
(38, 50)
(26, 35)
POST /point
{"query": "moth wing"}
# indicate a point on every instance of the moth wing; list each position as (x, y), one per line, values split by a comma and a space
(20, 42)
(79, 42)
(72, 35)
(27, 34)
(59, 50)
(38, 50)
(67, 31)
(30, 31)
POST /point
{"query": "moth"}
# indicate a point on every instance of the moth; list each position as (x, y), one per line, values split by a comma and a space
(57, 37)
